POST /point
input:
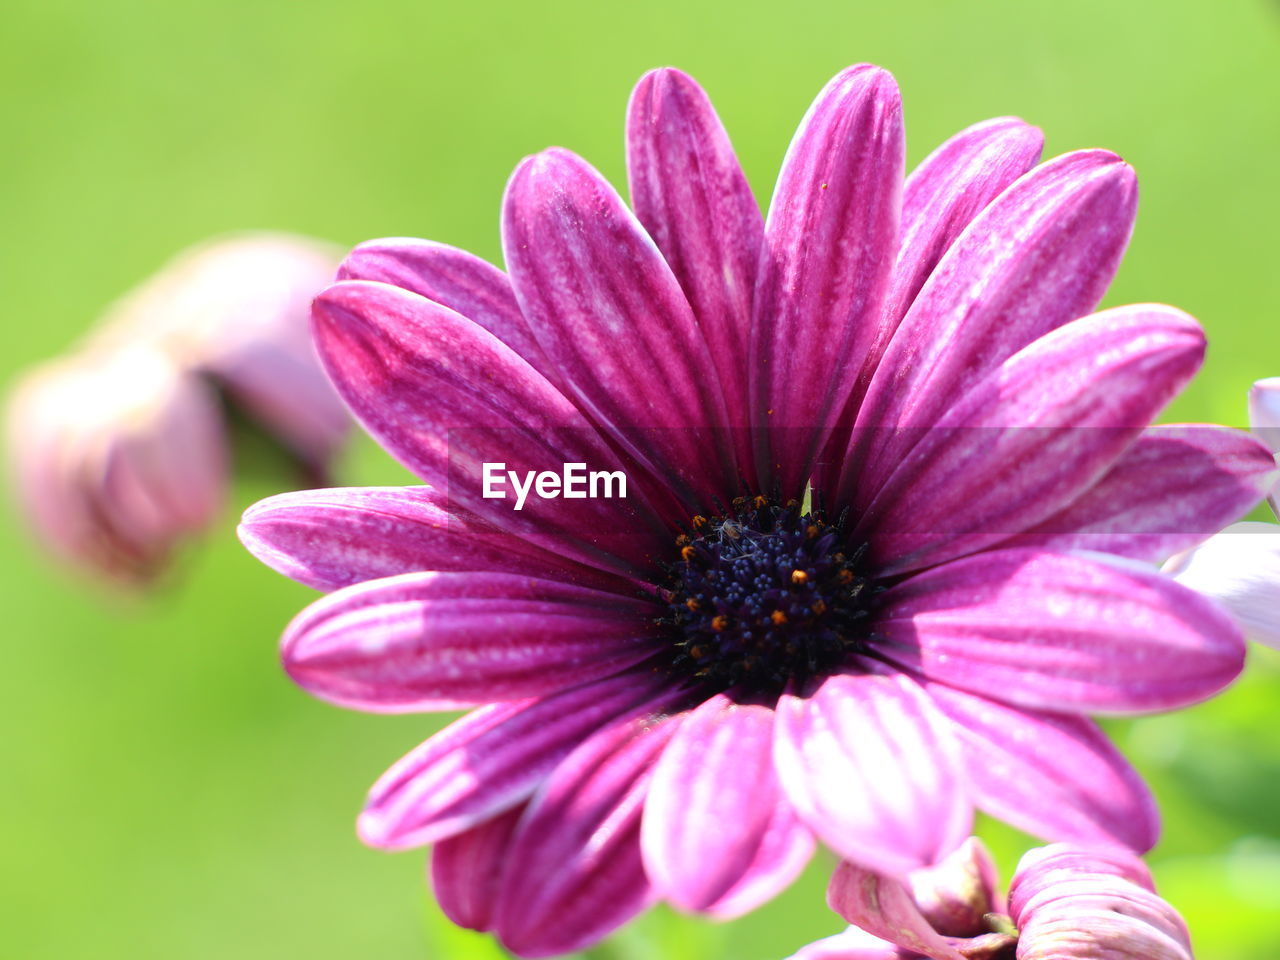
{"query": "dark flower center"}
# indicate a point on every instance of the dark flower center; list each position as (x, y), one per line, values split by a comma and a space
(764, 597)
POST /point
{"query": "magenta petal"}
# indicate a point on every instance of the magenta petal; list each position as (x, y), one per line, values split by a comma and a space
(575, 871)
(333, 538)
(1033, 436)
(691, 195)
(941, 197)
(1173, 488)
(949, 189)
(434, 641)
(1041, 254)
(452, 278)
(712, 801)
(1042, 868)
(1082, 633)
(611, 315)
(1053, 775)
(466, 870)
(490, 760)
(882, 906)
(871, 766)
(829, 242)
(444, 396)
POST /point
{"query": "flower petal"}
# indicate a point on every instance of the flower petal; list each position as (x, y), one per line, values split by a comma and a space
(490, 760)
(1077, 902)
(445, 397)
(871, 767)
(780, 857)
(1082, 633)
(333, 538)
(941, 196)
(610, 314)
(575, 871)
(851, 944)
(466, 870)
(1039, 255)
(434, 641)
(689, 192)
(452, 278)
(956, 895)
(1264, 411)
(829, 241)
(1033, 436)
(712, 801)
(882, 906)
(1175, 486)
(1053, 775)
(1239, 568)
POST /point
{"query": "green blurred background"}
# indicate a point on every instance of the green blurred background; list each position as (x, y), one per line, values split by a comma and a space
(166, 793)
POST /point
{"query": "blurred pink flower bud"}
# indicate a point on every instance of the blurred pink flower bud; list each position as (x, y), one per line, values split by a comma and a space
(120, 449)
(117, 457)
(1067, 902)
(238, 310)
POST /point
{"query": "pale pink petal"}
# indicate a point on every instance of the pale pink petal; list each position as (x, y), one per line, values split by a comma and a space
(1078, 903)
(1033, 436)
(453, 278)
(871, 766)
(713, 799)
(610, 314)
(466, 870)
(817, 328)
(575, 871)
(333, 538)
(1041, 254)
(445, 397)
(883, 907)
(1054, 775)
(1174, 487)
(434, 641)
(1081, 633)
(1240, 569)
(691, 195)
(782, 854)
(851, 944)
(1264, 411)
(490, 760)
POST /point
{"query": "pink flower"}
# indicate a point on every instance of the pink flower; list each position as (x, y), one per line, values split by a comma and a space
(119, 449)
(1067, 902)
(677, 691)
(1240, 567)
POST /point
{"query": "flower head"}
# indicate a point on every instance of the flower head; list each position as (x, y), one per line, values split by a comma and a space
(677, 692)
(119, 449)
(1066, 902)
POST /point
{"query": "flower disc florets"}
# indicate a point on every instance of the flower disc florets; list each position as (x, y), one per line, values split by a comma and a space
(765, 596)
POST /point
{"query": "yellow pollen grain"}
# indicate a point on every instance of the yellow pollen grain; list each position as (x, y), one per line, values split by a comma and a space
(799, 576)
(719, 623)
(688, 553)
(691, 603)
(778, 617)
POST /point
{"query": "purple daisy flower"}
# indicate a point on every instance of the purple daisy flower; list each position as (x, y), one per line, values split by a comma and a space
(1066, 902)
(677, 691)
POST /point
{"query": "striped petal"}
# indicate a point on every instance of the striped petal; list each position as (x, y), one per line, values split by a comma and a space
(1041, 254)
(1077, 633)
(690, 194)
(713, 799)
(436, 641)
(872, 768)
(609, 313)
(829, 242)
(1240, 569)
